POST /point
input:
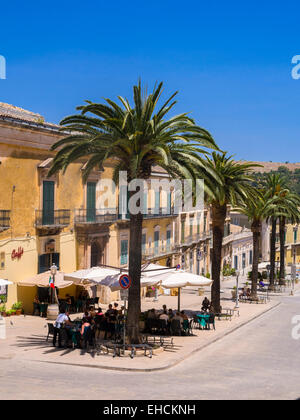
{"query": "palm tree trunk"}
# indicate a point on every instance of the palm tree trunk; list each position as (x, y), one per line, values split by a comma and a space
(273, 252)
(256, 230)
(134, 295)
(218, 222)
(282, 250)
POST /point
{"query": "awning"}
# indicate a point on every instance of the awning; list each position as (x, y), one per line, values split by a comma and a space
(109, 277)
(94, 275)
(5, 282)
(181, 278)
(42, 280)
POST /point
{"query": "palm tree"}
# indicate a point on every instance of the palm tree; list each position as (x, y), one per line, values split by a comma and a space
(287, 207)
(137, 138)
(232, 186)
(257, 208)
(274, 185)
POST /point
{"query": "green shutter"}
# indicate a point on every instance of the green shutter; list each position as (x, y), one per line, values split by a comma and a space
(48, 202)
(157, 202)
(156, 241)
(91, 201)
(124, 252)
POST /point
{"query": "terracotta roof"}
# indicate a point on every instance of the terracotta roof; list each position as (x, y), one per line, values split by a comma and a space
(19, 114)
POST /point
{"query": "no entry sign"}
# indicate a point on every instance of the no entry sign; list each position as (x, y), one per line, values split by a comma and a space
(125, 281)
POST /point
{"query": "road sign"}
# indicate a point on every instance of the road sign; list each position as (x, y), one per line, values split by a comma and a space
(125, 281)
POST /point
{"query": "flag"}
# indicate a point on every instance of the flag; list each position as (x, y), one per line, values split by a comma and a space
(51, 282)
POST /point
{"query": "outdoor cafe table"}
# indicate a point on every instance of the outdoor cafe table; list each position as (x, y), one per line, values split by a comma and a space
(203, 319)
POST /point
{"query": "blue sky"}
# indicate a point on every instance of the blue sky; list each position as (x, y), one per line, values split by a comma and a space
(230, 61)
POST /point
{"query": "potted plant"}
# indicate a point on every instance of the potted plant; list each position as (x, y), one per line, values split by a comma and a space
(17, 307)
(233, 292)
(3, 310)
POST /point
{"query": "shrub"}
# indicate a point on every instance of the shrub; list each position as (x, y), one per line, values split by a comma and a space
(16, 306)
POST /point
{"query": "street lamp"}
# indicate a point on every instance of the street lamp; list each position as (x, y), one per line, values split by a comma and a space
(237, 290)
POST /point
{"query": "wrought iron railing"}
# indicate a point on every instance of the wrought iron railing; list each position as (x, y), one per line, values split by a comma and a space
(44, 218)
(83, 216)
(155, 251)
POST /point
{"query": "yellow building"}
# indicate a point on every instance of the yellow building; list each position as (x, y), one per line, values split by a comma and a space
(57, 220)
(292, 245)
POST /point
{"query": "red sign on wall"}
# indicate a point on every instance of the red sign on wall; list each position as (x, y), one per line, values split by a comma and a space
(17, 254)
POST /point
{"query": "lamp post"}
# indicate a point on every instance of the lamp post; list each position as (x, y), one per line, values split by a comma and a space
(237, 290)
(53, 271)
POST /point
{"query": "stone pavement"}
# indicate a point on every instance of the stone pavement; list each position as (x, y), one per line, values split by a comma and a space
(26, 338)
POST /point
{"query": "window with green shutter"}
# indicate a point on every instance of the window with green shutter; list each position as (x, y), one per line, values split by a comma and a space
(48, 202)
(91, 201)
(124, 252)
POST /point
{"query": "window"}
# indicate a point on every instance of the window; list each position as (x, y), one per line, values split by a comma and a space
(168, 240)
(91, 201)
(191, 226)
(169, 200)
(144, 243)
(236, 262)
(48, 202)
(157, 202)
(250, 257)
(2, 260)
(156, 241)
(182, 231)
(204, 223)
(295, 235)
(124, 252)
(243, 260)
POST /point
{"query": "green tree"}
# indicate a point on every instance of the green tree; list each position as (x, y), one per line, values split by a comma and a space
(275, 183)
(257, 208)
(232, 185)
(137, 137)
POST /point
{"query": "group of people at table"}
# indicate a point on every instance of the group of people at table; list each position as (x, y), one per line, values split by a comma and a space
(104, 325)
(69, 302)
(94, 324)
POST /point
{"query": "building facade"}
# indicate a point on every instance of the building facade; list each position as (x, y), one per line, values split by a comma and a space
(61, 220)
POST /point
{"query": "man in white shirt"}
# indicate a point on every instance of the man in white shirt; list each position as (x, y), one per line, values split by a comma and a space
(60, 320)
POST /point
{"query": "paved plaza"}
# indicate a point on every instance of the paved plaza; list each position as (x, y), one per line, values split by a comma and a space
(258, 360)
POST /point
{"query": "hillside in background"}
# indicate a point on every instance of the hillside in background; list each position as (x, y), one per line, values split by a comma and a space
(291, 171)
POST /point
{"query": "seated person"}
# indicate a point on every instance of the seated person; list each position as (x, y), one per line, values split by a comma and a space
(86, 315)
(171, 314)
(164, 316)
(205, 304)
(184, 315)
(92, 312)
(178, 317)
(152, 314)
(36, 305)
(262, 284)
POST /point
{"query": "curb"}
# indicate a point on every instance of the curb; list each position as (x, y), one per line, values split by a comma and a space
(171, 365)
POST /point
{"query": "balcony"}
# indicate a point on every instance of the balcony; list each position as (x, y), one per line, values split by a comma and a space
(4, 220)
(195, 238)
(153, 213)
(52, 219)
(158, 251)
(93, 216)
